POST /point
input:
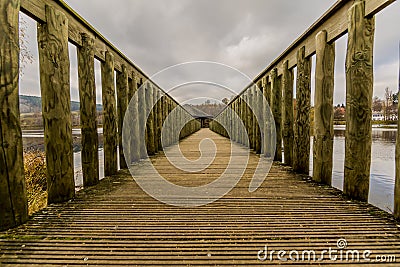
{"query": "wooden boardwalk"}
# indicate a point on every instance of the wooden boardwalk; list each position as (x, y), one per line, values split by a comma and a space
(116, 223)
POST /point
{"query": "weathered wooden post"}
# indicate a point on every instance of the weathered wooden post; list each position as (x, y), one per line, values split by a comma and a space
(249, 94)
(88, 112)
(164, 117)
(134, 114)
(109, 115)
(142, 120)
(267, 121)
(122, 100)
(56, 110)
(13, 204)
(301, 152)
(276, 106)
(359, 89)
(253, 115)
(155, 118)
(260, 114)
(159, 119)
(287, 131)
(150, 119)
(323, 110)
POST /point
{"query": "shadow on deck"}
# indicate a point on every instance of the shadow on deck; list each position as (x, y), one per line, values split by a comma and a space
(116, 223)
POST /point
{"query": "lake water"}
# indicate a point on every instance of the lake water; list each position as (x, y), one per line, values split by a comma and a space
(382, 165)
(381, 188)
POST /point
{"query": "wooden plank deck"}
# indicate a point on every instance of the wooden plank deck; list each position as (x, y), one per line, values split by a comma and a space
(116, 223)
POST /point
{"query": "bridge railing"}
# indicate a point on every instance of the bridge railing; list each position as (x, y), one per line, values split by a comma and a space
(356, 19)
(58, 24)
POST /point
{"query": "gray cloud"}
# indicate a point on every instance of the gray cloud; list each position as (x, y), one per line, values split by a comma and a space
(246, 35)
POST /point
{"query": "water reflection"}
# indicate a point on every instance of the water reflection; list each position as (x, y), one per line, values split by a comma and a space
(382, 165)
(34, 140)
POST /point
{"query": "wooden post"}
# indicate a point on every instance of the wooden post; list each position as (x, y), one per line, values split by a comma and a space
(13, 203)
(142, 120)
(56, 110)
(287, 131)
(267, 121)
(122, 98)
(323, 110)
(155, 118)
(164, 117)
(359, 89)
(134, 113)
(109, 115)
(87, 97)
(150, 120)
(260, 115)
(159, 119)
(301, 153)
(276, 106)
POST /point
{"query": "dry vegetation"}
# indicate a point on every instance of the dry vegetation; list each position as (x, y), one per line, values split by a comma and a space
(35, 176)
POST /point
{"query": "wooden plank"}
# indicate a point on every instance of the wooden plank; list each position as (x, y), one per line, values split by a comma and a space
(117, 223)
(323, 110)
(109, 115)
(13, 204)
(276, 106)
(122, 105)
(301, 152)
(88, 112)
(56, 110)
(359, 90)
(287, 119)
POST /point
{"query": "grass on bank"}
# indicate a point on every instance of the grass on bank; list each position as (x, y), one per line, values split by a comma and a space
(35, 177)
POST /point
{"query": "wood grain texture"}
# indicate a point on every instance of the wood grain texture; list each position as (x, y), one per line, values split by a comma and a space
(359, 90)
(142, 120)
(266, 124)
(87, 97)
(122, 106)
(116, 223)
(301, 152)
(56, 110)
(13, 203)
(287, 110)
(249, 118)
(323, 110)
(109, 115)
(276, 106)
(133, 106)
(155, 118)
(150, 120)
(260, 118)
(159, 119)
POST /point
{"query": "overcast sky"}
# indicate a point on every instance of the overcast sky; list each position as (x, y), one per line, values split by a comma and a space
(245, 35)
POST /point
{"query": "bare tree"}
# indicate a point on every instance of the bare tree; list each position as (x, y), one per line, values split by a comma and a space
(25, 55)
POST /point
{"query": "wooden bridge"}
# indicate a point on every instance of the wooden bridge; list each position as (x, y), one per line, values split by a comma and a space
(290, 219)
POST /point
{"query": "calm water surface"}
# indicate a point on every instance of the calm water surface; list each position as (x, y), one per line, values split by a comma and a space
(381, 188)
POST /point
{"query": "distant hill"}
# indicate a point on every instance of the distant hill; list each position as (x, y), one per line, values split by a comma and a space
(33, 104)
